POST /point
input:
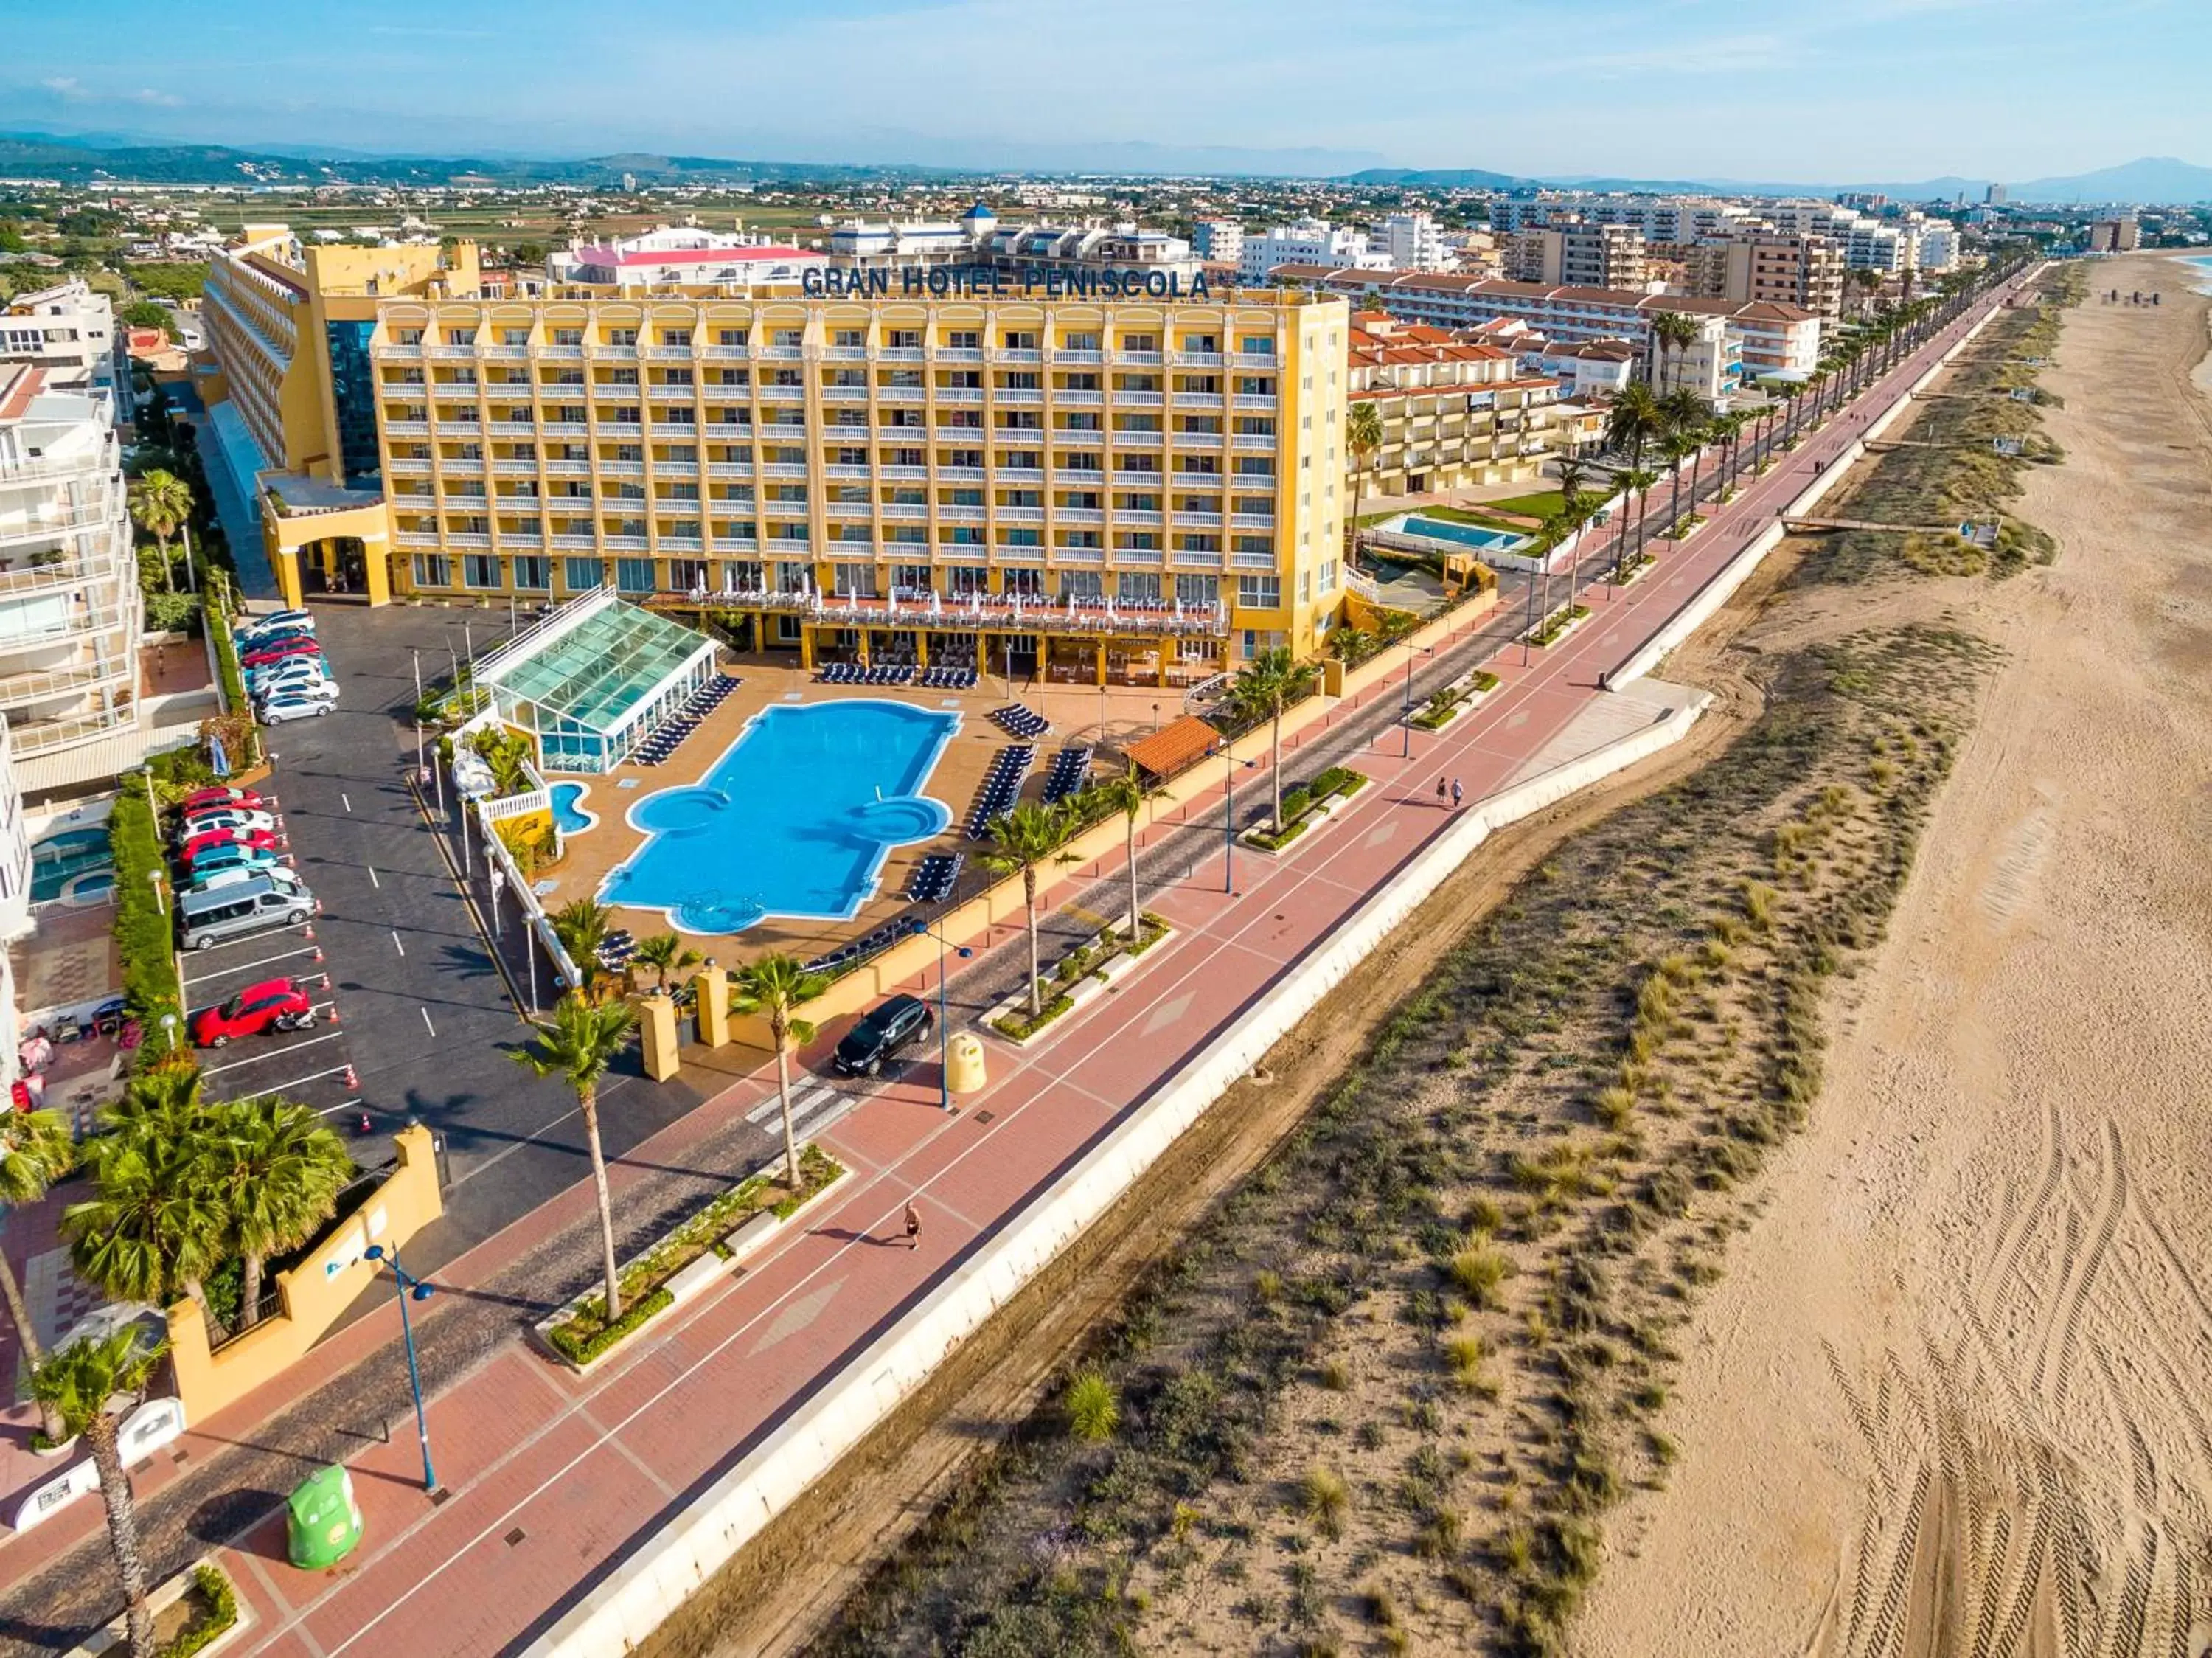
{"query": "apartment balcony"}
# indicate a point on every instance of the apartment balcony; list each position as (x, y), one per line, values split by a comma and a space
(1078, 517)
(392, 351)
(1136, 518)
(905, 512)
(1255, 360)
(729, 469)
(407, 428)
(834, 393)
(1252, 521)
(1198, 360)
(1068, 399)
(1015, 397)
(612, 353)
(1126, 440)
(37, 688)
(667, 353)
(1019, 515)
(960, 474)
(672, 393)
(1016, 354)
(794, 471)
(508, 391)
(904, 474)
(1252, 403)
(1197, 520)
(1140, 359)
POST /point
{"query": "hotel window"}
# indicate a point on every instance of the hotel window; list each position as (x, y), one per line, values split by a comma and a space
(1137, 423)
(963, 535)
(1195, 425)
(583, 574)
(567, 336)
(1260, 592)
(1202, 343)
(903, 339)
(1019, 340)
(1020, 538)
(1328, 576)
(687, 575)
(1082, 342)
(1137, 540)
(1136, 503)
(633, 574)
(532, 573)
(849, 338)
(910, 578)
(1030, 583)
(960, 458)
(965, 579)
(1137, 586)
(1257, 344)
(1019, 379)
(1198, 590)
(431, 571)
(859, 579)
(732, 337)
(786, 337)
(963, 339)
(1082, 583)
(480, 569)
(1261, 505)
(1198, 543)
(461, 336)
(410, 337)
(964, 497)
(1305, 587)
(1081, 423)
(1260, 546)
(1255, 386)
(1140, 342)
(1080, 460)
(675, 335)
(1079, 538)
(788, 531)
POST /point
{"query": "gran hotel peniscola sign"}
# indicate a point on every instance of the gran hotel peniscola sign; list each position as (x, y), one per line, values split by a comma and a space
(141, 1434)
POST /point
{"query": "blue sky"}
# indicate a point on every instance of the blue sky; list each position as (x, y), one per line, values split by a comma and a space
(1825, 90)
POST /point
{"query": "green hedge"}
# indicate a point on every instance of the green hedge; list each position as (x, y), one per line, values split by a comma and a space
(219, 1602)
(1017, 1026)
(143, 931)
(225, 655)
(583, 1349)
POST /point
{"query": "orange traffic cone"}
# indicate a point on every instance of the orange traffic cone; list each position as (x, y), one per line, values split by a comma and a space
(319, 956)
(351, 1080)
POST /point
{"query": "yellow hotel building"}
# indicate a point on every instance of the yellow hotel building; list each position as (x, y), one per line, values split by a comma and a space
(1135, 491)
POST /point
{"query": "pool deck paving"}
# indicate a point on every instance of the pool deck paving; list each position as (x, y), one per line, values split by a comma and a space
(551, 1479)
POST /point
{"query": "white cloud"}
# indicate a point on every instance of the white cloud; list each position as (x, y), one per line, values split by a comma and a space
(66, 86)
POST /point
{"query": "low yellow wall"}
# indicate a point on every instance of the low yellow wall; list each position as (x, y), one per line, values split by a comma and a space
(312, 1294)
(863, 986)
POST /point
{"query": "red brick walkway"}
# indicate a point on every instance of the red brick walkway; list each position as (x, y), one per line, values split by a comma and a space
(552, 1477)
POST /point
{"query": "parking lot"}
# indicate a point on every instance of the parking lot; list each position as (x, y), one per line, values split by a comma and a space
(313, 1065)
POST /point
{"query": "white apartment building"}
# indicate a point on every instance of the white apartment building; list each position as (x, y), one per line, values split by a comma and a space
(1578, 256)
(1761, 337)
(1308, 241)
(1219, 241)
(683, 254)
(68, 330)
(14, 902)
(70, 609)
(914, 241)
(1660, 219)
(1411, 242)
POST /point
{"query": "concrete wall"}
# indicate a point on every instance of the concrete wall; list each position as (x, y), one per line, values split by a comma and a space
(312, 1294)
(633, 1600)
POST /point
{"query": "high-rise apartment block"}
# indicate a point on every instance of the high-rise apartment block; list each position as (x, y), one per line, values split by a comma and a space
(963, 479)
(1578, 256)
(1803, 271)
(2115, 236)
(1411, 241)
(1308, 241)
(70, 608)
(1218, 241)
(69, 331)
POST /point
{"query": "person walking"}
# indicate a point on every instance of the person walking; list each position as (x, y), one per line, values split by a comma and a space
(1458, 794)
(1442, 789)
(913, 1225)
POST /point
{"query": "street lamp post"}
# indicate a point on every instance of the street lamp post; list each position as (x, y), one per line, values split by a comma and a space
(411, 1287)
(1230, 763)
(1406, 718)
(944, 1025)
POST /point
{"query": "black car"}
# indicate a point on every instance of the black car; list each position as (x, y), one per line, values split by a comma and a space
(888, 1026)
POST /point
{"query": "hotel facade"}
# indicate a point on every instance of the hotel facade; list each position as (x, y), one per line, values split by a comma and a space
(1126, 492)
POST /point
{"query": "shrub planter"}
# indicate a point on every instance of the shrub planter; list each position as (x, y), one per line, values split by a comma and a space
(1465, 694)
(1688, 528)
(1556, 626)
(197, 1612)
(685, 1261)
(1325, 795)
(1076, 980)
(1642, 563)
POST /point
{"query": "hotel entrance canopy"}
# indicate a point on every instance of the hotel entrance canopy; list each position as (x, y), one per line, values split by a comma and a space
(595, 678)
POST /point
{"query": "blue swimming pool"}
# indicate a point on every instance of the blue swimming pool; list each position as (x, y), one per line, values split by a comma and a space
(1468, 535)
(795, 819)
(58, 861)
(569, 817)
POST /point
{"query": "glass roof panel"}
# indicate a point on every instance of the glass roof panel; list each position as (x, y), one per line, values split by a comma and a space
(604, 667)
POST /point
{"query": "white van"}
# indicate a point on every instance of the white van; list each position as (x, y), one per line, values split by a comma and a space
(207, 919)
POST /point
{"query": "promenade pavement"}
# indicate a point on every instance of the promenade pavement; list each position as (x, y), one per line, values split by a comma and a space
(549, 1479)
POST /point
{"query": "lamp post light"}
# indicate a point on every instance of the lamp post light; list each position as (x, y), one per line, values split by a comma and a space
(411, 1287)
(1230, 762)
(1406, 722)
(169, 1025)
(160, 903)
(944, 1025)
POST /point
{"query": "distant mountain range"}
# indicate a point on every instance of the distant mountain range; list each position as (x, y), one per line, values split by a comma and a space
(89, 159)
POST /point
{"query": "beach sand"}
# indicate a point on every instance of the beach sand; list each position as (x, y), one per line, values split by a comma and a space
(1955, 1394)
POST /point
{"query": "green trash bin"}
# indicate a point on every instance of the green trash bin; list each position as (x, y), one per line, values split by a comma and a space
(324, 1519)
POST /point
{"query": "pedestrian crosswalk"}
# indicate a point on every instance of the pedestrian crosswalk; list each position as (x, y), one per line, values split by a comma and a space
(812, 1113)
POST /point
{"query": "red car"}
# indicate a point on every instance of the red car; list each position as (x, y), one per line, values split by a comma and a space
(280, 653)
(261, 840)
(276, 1005)
(208, 800)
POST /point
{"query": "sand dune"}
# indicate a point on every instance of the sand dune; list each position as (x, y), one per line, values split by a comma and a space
(1955, 1394)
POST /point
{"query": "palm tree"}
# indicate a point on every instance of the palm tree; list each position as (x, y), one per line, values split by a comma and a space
(1363, 437)
(161, 504)
(153, 1226)
(78, 1385)
(1671, 332)
(1126, 794)
(35, 1151)
(1634, 420)
(1639, 484)
(776, 987)
(1700, 436)
(279, 1172)
(1868, 283)
(1678, 447)
(577, 1045)
(1023, 838)
(1264, 687)
(582, 926)
(664, 953)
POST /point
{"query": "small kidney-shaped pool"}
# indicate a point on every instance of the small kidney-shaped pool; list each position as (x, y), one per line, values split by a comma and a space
(795, 819)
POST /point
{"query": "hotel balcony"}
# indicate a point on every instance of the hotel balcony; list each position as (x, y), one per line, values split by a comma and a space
(729, 469)
(407, 428)
(613, 353)
(1198, 360)
(672, 393)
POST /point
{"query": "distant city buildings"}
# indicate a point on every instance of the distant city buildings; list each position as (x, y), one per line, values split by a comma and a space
(1411, 241)
(1578, 256)
(679, 256)
(1309, 242)
(1218, 241)
(1456, 412)
(2115, 235)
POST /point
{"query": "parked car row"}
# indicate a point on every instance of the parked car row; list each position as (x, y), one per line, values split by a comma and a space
(286, 675)
(234, 874)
